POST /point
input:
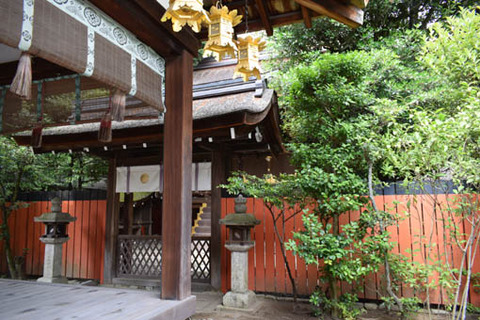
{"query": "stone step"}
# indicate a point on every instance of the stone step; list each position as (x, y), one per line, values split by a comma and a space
(206, 215)
(205, 222)
(203, 234)
(204, 228)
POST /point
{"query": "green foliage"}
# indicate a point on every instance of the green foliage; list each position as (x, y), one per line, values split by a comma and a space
(23, 171)
(318, 243)
(284, 192)
(383, 18)
(346, 305)
(453, 48)
(45, 171)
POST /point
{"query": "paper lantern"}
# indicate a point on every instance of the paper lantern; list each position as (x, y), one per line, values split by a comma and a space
(183, 12)
(248, 57)
(220, 32)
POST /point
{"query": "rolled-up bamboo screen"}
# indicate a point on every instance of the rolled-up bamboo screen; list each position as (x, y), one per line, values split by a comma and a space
(78, 36)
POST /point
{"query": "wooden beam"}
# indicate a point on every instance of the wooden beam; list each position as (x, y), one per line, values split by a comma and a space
(277, 20)
(132, 16)
(360, 3)
(41, 69)
(264, 16)
(307, 20)
(177, 194)
(218, 177)
(347, 14)
(111, 224)
(186, 36)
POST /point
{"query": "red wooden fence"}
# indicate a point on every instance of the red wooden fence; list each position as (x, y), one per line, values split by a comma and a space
(267, 272)
(82, 254)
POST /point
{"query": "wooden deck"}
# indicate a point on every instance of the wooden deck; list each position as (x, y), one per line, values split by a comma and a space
(31, 300)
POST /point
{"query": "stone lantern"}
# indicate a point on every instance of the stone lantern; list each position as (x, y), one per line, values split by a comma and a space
(239, 224)
(55, 236)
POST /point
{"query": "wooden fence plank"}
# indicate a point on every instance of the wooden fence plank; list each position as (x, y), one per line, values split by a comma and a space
(77, 239)
(280, 269)
(405, 238)
(289, 227)
(344, 219)
(85, 238)
(259, 246)
(251, 252)
(269, 252)
(70, 245)
(303, 272)
(101, 221)
(92, 230)
(30, 240)
(83, 254)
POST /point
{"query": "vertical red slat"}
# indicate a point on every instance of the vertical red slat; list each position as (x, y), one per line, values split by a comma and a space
(259, 246)
(289, 229)
(417, 232)
(70, 245)
(405, 237)
(77, 240)
(280, 270)
(101, 220)
(30, 239)
(92, 236)
(269, 252)
(65, 246)
(430, 238)
(475, 292)
(440, 255)
(251, 252)
(85, 238)
(343, 219)
(302, 272)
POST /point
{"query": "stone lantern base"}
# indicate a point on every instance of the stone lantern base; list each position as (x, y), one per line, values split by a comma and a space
(239, 300)
(52, 266)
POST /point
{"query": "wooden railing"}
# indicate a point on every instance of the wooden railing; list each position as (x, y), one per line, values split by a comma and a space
(141, 256)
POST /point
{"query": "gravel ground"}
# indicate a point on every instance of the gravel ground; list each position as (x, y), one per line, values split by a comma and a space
(269, 308)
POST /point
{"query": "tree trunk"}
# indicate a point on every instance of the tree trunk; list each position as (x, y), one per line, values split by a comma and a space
(6, 243)
(382, 230)
(332, 282)
(284, 254)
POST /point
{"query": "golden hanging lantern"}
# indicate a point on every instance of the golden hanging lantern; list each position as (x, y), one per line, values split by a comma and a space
(269, 177)
(248, 57)
(220, 32)
(183, 12)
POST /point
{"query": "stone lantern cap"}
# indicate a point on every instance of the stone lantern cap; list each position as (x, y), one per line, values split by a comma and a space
(56, 215)
(240, 217)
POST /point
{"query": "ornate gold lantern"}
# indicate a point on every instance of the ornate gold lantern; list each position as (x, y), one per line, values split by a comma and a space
(220, 32)
(183, 12)
(248, 63)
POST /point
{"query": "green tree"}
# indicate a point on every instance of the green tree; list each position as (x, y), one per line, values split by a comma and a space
(384, 18)
(23, 171)
(344, 112)
(444, 143)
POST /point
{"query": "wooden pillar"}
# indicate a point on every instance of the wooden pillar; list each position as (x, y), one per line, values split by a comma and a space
(218, 177)
(177, 194)
(111, 224)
